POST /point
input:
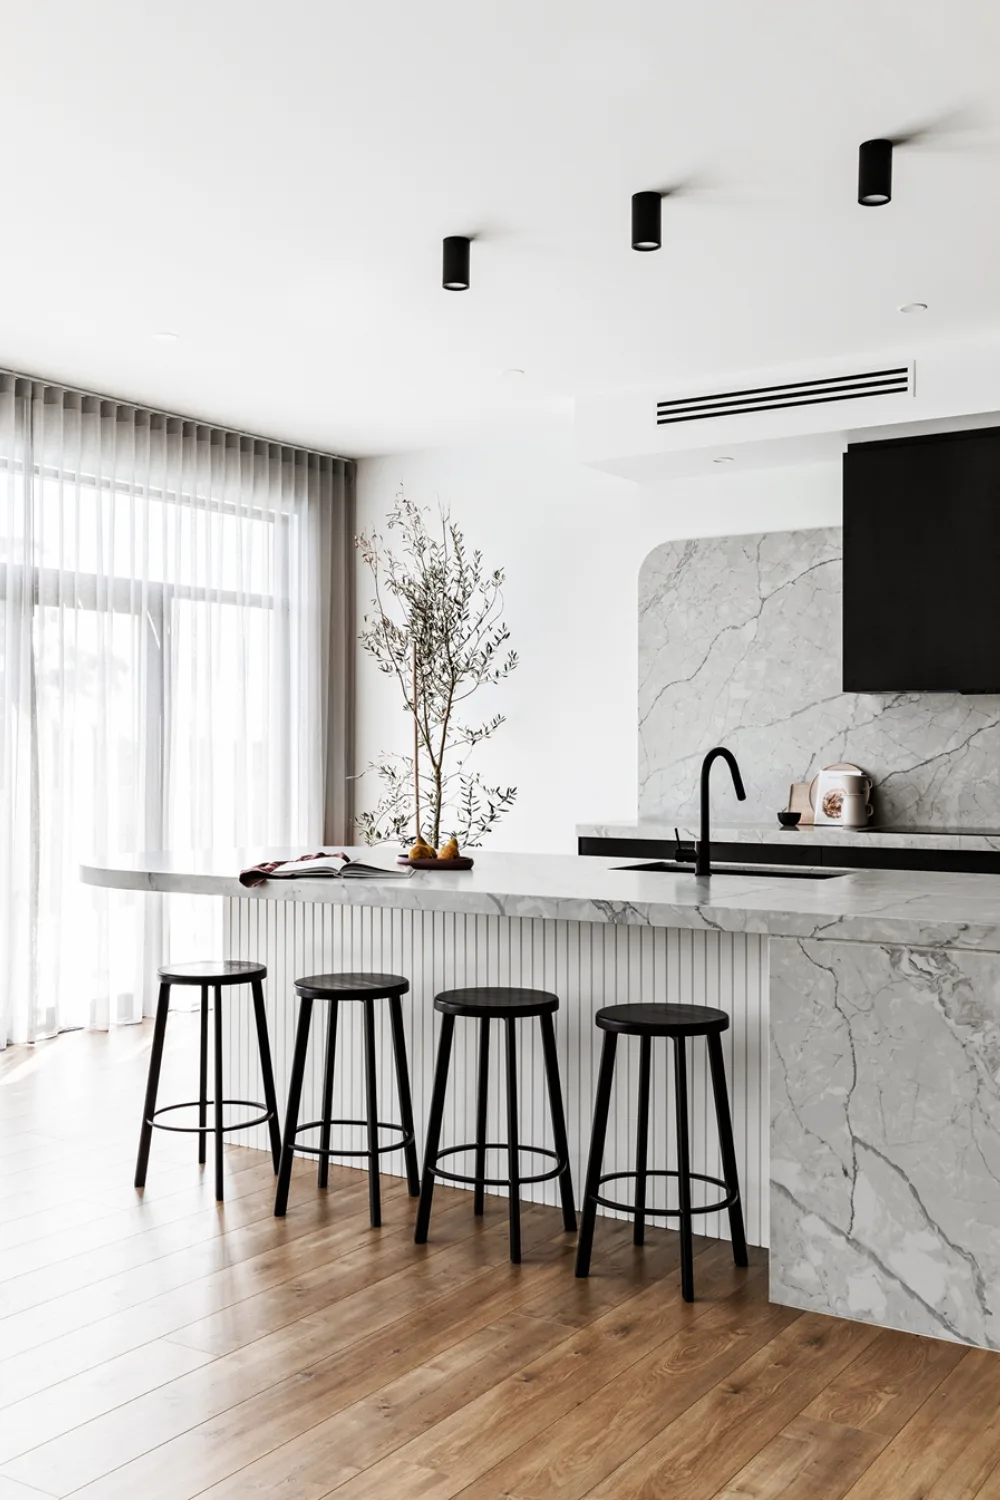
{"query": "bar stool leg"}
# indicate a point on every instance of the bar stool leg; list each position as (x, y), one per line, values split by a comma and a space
(642, 1141)
(513, 1144)
(323, 1170)
(558, 1120)
(482, 1095)
(292, 1111)
(219, 1138)
(727, 1149)
(203, 1079)
(152, 1084)
(602, 1105)
(403, 1089)
(683, 1170)
(371, 1089)
(267, 1072)
(434, 1128)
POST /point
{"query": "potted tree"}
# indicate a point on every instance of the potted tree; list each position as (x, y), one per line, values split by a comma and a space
(435, 623)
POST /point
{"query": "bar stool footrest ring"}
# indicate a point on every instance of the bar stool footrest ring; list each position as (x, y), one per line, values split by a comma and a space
(406, 1138)
(665, 1213)
(557, 1170)
(209, 1129)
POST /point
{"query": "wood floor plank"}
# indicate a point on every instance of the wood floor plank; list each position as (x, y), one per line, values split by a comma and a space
(837, 1437)
(123, 1243)
(889, 1381)
(118, 1192)
(45, 1363)
(730, 1320)
(951, 1446)
(257, 1248)
(54, 1219)
(989, 1491)
(410, 1348)
(10, 1490)
(517, 1409)
(37, 1419)
(78, 1458)
(713, 1439)
(336, 1449)
(345, 1356)
(810, 1459)
(377, 1256)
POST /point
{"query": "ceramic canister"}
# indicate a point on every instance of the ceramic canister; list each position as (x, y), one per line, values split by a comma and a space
(855, 809)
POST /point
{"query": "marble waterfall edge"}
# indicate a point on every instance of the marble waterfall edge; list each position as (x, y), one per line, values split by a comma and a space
(885, 1136)
(740, 644)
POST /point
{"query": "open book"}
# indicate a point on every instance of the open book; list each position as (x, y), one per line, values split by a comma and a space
(331, 866)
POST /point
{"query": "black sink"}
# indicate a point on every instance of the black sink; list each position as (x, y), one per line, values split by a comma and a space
(772, 872)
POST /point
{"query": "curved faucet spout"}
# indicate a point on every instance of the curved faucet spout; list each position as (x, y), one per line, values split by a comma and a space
(703, 861)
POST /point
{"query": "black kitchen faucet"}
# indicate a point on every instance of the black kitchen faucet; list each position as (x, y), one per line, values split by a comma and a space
(703, 860)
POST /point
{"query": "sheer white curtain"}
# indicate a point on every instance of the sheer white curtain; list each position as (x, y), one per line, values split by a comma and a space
(168, 597)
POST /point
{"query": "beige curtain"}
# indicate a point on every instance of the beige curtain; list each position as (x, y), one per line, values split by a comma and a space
(176, 646)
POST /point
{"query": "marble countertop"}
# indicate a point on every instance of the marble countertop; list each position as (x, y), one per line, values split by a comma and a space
(964, 839)
(875, 906)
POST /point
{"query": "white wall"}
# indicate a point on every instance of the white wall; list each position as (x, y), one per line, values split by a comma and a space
(571, 540)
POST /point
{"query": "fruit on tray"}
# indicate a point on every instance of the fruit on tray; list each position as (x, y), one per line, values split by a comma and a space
(422, 850)
(449, 850)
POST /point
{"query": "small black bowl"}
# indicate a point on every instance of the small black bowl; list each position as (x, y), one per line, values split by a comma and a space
(789, 819)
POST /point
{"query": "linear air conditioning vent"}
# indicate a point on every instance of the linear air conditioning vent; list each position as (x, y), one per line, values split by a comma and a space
(894, 382)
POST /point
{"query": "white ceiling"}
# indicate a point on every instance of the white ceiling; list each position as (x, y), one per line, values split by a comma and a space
(272, 182)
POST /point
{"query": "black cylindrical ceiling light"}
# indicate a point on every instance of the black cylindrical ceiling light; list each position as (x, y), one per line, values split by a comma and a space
(646, 221)
(875, 173)
(455, 264)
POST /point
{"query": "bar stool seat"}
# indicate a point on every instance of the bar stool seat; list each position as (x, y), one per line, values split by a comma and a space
(218, 974)
(352, 986)
(213, 971)
(496, 1002)
(675, 1023)
(487, 1003)
(662, 1020)
(333, 989)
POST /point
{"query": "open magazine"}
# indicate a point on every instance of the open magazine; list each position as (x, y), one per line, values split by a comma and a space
(329, 866)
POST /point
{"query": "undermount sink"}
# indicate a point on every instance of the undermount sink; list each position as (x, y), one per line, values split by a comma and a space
(772, 872)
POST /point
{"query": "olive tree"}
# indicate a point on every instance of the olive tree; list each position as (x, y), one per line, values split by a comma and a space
(435, 623)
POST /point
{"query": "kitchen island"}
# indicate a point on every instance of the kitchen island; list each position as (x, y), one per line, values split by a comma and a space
(863, 1056)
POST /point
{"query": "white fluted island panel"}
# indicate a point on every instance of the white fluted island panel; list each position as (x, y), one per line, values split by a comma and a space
(587, 964)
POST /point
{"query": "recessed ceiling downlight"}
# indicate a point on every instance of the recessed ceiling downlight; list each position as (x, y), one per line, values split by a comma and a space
(723, 458)
(166, 337)
(912, 307)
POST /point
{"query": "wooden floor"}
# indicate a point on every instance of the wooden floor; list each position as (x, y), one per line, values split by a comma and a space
(157, 1347)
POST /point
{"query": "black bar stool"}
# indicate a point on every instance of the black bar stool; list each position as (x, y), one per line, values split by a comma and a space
(217, 974)
(676, 1022)
(334, 988)
(485, 1004)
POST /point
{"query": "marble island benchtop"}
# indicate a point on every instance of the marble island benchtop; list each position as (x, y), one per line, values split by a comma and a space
(870, 906)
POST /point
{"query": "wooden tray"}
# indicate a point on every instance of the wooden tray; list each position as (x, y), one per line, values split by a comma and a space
(461, 863)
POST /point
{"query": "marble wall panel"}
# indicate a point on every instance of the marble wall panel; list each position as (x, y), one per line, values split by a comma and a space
(740, 644)
(885, 1135)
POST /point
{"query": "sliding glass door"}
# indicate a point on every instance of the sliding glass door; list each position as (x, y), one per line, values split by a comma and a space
(164, 681)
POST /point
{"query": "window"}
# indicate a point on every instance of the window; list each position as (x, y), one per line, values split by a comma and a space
(164, 648)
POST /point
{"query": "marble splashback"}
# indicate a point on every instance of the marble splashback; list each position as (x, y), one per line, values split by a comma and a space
(740, 645)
